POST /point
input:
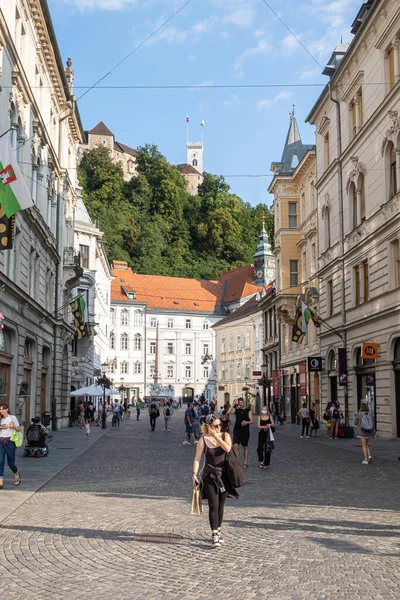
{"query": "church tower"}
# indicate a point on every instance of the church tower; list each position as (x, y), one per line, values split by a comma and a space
(264, 261)
(194, 155)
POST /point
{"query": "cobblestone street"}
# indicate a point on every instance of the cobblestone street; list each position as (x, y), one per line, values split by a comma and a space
(116, 524)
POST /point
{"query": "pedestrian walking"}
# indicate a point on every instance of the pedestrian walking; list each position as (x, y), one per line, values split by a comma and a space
(167, 412)
(91, 410)
(327, 417)
(304, 415)
(276, 413)
(365, 430)
(314, 423)
(116, 410)
(87, 428)
(225, 419)
(216, 487)
(82, 415)
(265, 438)
(154, 413)
(189, 425)
(196, 421)
(241, 429)
(138, 404)
(8, 424)
(336, 417)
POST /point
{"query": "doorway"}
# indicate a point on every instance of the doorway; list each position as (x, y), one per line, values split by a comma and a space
(187, 394)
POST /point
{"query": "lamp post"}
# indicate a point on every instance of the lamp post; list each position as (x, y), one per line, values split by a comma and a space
(104, 413)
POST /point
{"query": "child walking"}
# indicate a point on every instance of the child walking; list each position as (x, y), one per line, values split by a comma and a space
(87, 428)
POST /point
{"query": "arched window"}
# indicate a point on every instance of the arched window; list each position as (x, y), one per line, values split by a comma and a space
(223, 345)
(124, 341)
(361, 184)
(194, 163)
(138, 342)
(138, 367)
(138, 319)
(332, 361)
(238, 342)
(353, 206)
(112, 341)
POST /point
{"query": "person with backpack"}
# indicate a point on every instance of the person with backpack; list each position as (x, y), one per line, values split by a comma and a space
(167, 412)
(154, 413)
(214, 479)
(365, 430)
(189, 425)
(336, 417)
(196, 421)
(8, 424)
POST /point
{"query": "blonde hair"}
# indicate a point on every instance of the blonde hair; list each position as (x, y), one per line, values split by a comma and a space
(364, 407)
(204, 429)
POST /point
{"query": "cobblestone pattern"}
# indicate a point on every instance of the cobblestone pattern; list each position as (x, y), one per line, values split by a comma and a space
(116, 524)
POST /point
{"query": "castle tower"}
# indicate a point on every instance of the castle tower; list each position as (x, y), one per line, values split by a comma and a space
(194, 155)
(264, 260)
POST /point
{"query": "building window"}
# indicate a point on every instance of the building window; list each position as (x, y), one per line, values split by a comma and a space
(170, 371)
(238, 342)
(188, 371)
(138, 319)
(124, 342)
(152, 347)
(138, 342)
(153, 322)
(312, 196)
(327, 225)
(112, 342)
(188, 348)
(206, 325)
(313, 258)
(231, 342)
(131, 167)
(170, 348)
(247, 369)
(170, 323)
(391, 169)
(124, 368)
(327, 152)
(124, 317)
(247, 338)
(223, 371)
(396, 248)
(152, 371)
(112, 316)
(390, 62)
(366, 280)
(292, 215)
(357, 114)
(231, 370)
(357, 291)
(303, 206)
(206, 349)
(329, 297)
(138, 367)
(223, 345)
(304, 266)
(205, 372)
(238, 370)
(294, 272)
(194, 163)
(84, 254)
(188, 323)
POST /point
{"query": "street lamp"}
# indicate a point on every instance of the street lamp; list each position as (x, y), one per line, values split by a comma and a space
(104, 413)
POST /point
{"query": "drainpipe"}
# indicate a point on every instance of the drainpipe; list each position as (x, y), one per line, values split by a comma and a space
(57, 278)
(341, 231)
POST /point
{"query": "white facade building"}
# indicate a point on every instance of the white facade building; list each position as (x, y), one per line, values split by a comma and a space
(89, 353)
(38, 274)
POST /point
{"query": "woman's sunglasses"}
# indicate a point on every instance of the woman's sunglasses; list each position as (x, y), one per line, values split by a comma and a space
(215, 425)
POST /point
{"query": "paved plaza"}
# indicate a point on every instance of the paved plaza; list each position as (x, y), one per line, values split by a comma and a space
(116, 524)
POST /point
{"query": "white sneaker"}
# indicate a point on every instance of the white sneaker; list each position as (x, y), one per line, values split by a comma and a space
(369, 458)
(220, 537)
(215, 541)
(307, 437)
(195, 442)
(185, 443)
(301, 437)
(364, 462)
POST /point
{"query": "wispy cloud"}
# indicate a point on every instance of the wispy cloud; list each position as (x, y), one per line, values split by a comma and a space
(290, 44)
(205, 26)
(263, 48)
(310, 73)
(191, 58)
(243, 16)
(103, 4)
(171, 35)
(233, 100)
(267, 103)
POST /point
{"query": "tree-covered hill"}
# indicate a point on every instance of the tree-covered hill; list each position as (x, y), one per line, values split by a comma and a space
(154, 224)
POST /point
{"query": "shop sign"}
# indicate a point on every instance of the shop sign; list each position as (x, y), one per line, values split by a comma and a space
(314, 364)
(369, 350)
(257, 373)
(276, 383)
(303, 379)
(342, 357)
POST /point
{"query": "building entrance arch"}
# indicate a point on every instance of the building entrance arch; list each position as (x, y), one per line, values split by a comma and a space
(187, 394)
(227, 398)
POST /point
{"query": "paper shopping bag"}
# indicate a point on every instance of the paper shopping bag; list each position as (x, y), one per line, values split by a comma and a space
(197, 503)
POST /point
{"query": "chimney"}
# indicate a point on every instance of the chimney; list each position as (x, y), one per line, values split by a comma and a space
(69, 73)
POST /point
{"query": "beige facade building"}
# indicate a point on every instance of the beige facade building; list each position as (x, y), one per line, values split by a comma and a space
(38, 274)
(296, 252)
(357, 120)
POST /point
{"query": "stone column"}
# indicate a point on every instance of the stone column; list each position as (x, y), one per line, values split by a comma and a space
(358, 120)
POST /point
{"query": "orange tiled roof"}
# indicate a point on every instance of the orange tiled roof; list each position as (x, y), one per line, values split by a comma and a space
(180, 293)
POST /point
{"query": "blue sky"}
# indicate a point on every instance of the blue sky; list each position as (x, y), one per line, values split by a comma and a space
(214, 42)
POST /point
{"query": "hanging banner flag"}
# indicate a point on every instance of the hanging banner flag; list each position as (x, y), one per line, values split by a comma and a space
(303, 379)
(307, 314)
(297, 333)
(203, 124)
(7, 230)
(342, 358)
(78, 310)
(276, 380)
(14, 195)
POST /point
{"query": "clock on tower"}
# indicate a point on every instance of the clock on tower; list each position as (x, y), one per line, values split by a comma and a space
(264, 261)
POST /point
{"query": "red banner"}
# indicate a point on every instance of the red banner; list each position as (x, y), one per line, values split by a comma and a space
(303, 379)
(276, 383)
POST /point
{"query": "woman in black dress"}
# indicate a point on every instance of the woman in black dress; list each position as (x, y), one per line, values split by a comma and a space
(215, 482)
(265, 444)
